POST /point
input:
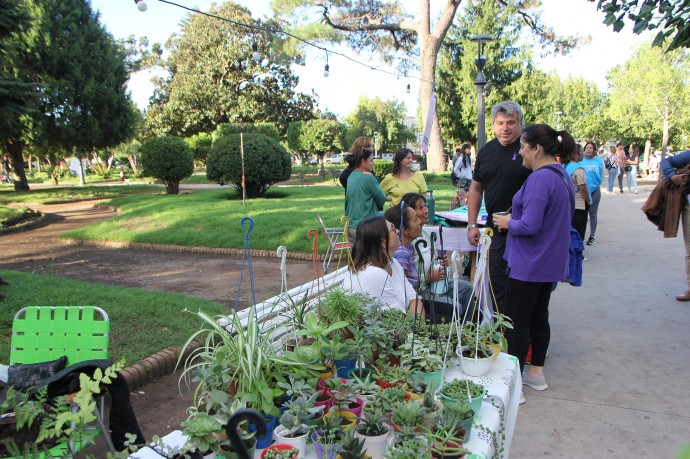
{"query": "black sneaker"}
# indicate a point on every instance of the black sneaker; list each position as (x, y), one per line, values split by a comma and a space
(591, 241)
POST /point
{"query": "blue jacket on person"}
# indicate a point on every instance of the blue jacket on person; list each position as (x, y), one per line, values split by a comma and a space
(671, 163)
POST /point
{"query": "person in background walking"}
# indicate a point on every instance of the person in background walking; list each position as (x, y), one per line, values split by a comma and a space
(669, 167)
(622, 161)
(593, 166)
(582, 200)
(537, 248)
(462, 169)
(612, 167)
(653, 164)
(403, 180)
(632, 160)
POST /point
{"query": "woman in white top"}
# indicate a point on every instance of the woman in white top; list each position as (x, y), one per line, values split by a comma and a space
(376, 272)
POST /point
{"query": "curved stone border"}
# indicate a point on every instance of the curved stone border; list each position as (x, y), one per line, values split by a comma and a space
(26, 225)
(182, 248)
(159, 364)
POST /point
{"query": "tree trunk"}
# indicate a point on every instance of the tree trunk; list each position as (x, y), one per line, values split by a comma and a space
(82, 181)
(429, 51)
(664, 138)
(14, 148)
(647, 151)
(172, 187)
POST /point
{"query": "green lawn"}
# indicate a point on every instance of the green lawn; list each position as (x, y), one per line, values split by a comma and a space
(212, 218)
(10, 212)
(142, 323)
(72, 193)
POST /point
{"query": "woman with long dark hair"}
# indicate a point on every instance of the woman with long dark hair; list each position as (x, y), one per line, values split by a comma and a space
(403, 179)
(363, 196)
(358, 144)
(375, 271)
(537, 246)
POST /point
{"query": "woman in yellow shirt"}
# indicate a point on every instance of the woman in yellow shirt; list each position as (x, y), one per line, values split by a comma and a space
(403, 180)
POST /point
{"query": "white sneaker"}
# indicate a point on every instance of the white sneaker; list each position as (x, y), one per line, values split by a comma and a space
(535, 382)
(522, 398)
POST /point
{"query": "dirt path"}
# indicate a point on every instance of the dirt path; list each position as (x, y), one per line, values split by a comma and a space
(159, 405)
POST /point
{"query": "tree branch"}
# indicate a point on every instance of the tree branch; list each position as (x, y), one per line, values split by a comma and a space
(368, 23)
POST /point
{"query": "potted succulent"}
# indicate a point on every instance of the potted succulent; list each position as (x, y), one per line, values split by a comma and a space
(365, 387)
(481, 343)
(374, 432)
(445, 444)
(432, 407)
(416, 448)
(340, 305)
(344, 398)
(327, 439)
(463, 389)
(461, 413)
(415, 387)
(340, 352)
(201, 429)
(280, 451)
(422, 355)
(408, 414)
(353, 448)
(293, 429)
(391, 376)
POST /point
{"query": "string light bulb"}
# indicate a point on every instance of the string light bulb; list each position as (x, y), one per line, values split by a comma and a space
(326, 71)
(408, 88)
(255, 52)
(141, 5)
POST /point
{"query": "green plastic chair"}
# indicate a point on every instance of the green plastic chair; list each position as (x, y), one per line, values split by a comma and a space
(44, 333)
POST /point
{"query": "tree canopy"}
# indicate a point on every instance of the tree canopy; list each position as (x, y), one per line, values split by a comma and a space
(385, 28)
(213, 78)
(385, 117)
(650, 96)
(670, 18)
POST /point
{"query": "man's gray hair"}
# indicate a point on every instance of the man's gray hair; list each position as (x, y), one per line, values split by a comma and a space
(508, 107)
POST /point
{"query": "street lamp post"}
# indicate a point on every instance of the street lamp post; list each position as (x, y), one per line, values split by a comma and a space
(480, 82)
(558, 120)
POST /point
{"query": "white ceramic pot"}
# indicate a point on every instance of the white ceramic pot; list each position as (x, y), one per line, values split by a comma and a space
(375, 446)
(475, 366)
(298, 442)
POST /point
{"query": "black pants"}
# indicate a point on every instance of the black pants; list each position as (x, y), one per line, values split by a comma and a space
(498, 268)
(580, 221)
(527, 303)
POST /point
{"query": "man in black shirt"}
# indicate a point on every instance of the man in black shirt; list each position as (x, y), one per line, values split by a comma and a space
(498, 175)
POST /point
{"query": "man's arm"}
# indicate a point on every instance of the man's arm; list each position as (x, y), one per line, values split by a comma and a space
(474, 203)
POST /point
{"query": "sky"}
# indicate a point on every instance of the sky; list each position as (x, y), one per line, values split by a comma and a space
(347, 81)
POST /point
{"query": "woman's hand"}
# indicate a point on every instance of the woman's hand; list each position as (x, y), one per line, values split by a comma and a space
(501, 221)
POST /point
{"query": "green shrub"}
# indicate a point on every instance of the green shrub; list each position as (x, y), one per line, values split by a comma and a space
(382, 168)
(168, 159)
(267, 129)
(265, 162)
(200, 145)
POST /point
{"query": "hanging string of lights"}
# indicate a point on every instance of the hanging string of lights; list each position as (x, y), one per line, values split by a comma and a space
(141, 6)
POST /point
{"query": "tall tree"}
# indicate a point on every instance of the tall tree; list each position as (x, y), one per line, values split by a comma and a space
(650, 95)
(457, 98)
(213, 78)
(386, 118)
(670, 18)
(17, 90)
(383, 27)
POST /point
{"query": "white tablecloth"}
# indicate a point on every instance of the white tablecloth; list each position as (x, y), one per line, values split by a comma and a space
(503, 384)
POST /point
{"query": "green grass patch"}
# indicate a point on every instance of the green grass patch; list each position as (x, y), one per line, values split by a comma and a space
(7, 213)
(73, 193)
(212, 218)
(11, 216)
(141, 322)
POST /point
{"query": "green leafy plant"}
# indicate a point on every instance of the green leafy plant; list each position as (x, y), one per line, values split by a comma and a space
(275, 453)
(411, 449)
(330, 431)
(420, 354)
(392, 375)
(372, 425)
(266, 162)
(296, 387)
(429, 399)
(337, 348)
(338, 304)
(445, 443)
(485, 339)
(458, 389)
(458, 411)
(201, 428)
(408, 414)
(169, 159)
(353, 448)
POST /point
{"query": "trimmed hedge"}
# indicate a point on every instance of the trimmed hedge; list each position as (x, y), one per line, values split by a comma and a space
(169, 159)
(265, 162)
(382, 167)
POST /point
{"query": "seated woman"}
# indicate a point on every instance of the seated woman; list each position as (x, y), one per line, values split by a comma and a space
(376, 272)
(441, 294)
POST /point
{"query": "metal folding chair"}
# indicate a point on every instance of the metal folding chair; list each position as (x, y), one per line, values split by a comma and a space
(43, 333)
(332, 235)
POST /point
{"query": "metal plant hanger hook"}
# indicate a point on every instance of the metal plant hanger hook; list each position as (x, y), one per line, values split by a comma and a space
(345, 221)
(316, 263)
(246, 257)
(232, 430)
(282, 254)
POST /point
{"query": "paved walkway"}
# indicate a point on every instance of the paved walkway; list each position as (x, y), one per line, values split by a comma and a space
(618, 362)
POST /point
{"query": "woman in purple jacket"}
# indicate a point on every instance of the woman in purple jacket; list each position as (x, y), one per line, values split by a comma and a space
(537, 244)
